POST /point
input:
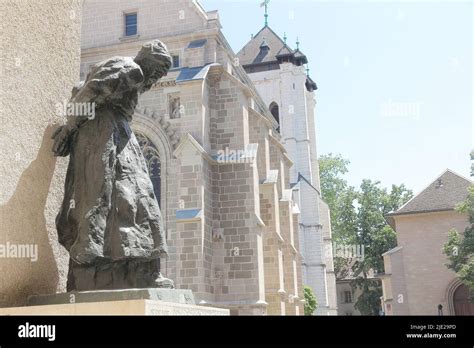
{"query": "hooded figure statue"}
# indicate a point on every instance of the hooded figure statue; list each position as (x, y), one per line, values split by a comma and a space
(110, 220)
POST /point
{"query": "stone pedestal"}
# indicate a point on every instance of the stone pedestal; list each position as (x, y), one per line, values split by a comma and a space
(115, 302)
(182, 296)
(126, 307)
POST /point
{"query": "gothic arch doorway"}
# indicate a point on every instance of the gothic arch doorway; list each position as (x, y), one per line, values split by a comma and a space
(461, 301)
(151, 134)
(152, 158)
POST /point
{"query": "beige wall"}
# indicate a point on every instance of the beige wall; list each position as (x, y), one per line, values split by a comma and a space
(103, 20)
(394, 284)
(427, 278)
(343, 307)
(40, 49)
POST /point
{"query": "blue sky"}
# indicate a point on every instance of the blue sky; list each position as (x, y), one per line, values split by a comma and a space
(395, 79)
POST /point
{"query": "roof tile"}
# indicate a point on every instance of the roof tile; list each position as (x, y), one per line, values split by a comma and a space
(444, 193)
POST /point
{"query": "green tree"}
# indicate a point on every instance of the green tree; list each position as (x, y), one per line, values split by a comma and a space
(376, 236)
(311, 303)
(344, 228)
(331, 171)
(340, 198)
(460, 249)
(472, 162)
(357, 219)
(368, 302)
(398, 196)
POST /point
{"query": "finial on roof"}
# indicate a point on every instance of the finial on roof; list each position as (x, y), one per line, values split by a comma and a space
(284, 37)
(265, 3)
(297, 43)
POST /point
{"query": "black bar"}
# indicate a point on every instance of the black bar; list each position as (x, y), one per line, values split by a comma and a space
(314, 331)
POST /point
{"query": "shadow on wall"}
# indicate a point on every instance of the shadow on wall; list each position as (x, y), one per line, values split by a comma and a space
(23, 232)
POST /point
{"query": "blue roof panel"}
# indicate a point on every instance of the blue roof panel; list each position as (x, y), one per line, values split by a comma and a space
(197, 43)
(187, 214)
(197, 73)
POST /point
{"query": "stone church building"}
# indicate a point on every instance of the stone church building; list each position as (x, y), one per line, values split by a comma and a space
(280, 77)
(231, 148)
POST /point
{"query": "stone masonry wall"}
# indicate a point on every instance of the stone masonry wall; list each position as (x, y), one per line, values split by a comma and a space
(40, 54)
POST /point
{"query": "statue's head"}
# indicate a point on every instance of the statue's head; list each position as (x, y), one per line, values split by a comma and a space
(155, 61)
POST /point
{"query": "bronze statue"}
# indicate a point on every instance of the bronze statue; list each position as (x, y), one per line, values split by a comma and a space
(110, 220)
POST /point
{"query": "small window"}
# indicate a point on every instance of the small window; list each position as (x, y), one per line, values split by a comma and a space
(274, 110)
(175, 58)
(131, 24)
(347, 297)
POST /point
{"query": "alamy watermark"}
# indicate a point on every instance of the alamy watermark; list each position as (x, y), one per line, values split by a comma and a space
(237, 156)
(28, 330)
(401, 109)
(76, 109)
(351, 251)
(19, 251)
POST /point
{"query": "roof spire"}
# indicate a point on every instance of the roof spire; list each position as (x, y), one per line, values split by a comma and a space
(297, 43)
(265, 4)
(284, 37)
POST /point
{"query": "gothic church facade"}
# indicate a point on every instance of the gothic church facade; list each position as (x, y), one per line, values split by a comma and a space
(220, 165)
(280, 77)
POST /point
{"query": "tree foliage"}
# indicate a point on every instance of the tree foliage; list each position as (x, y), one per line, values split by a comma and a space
(368, 303)
(311, 303)
(357, 218)
(331, 171)
(472, 162)
(376, 236)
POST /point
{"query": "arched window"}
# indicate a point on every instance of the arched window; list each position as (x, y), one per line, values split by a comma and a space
(276, 113)
(152, 157)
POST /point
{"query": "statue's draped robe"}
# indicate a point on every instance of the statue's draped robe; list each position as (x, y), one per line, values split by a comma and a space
(109, 212)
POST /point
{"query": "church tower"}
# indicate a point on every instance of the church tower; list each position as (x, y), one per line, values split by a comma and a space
(279, 75)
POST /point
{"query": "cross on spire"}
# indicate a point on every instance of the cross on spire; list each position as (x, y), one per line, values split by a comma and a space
(297, 43)
(265, 4)
(284, 37)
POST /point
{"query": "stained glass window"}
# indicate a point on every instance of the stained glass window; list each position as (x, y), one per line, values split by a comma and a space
(152, 157)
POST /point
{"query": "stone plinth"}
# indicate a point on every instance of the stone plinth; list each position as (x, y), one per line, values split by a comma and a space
(125, 307)
(183, 296)
(151, 301)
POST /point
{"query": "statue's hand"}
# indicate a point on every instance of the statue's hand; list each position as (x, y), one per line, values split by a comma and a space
(62, 138)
